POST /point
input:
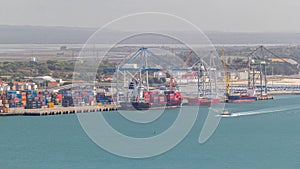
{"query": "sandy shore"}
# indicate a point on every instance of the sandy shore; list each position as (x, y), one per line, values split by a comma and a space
(273, 80)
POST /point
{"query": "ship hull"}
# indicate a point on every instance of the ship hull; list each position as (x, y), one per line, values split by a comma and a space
(146, 106)
(202, 101)
(141, 105)
(241, 99)
(154, 100)
(264, 97)
(173, 104)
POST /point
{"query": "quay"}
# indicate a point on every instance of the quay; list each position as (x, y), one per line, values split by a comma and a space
(57, 110)
(290, 92)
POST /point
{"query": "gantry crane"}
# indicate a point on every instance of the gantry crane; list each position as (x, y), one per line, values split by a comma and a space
(226, 73)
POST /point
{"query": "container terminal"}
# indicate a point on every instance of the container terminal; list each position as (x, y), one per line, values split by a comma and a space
(24, 98)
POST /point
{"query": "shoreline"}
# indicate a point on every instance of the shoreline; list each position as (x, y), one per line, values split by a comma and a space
(59, 110)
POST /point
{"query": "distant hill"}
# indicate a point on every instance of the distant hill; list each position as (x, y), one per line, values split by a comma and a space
(39, 34)
(73, 35)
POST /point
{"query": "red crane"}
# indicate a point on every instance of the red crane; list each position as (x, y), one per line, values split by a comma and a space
(171, 79)
(188, 58)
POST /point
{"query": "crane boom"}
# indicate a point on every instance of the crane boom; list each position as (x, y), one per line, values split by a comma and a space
(188, 58)
(225, 72)
(171, 83)
(171, 80)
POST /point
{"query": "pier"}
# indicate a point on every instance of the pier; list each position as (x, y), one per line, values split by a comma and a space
(57, 110)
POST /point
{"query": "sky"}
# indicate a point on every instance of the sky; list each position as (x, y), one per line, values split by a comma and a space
(208, 15)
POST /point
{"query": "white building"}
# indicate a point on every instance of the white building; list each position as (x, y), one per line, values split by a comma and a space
(41, 79)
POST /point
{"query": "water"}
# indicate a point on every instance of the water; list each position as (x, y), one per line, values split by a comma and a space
(267, 139)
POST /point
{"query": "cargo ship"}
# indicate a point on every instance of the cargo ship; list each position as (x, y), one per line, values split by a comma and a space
(143, 99)
(249, 96)
(139, 95)
(153, 100)
(240, 98)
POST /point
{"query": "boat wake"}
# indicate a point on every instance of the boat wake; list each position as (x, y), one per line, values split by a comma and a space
(262, 111)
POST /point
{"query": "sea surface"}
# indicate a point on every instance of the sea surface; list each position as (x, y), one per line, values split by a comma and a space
(262, 135)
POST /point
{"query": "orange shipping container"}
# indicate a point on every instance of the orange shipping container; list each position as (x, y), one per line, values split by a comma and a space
(51, 105)
(24, 98)
(59, 96)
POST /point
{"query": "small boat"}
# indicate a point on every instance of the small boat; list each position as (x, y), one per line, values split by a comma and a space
(225, 113)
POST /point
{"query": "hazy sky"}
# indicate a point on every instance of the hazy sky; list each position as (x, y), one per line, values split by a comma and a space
(221, 15)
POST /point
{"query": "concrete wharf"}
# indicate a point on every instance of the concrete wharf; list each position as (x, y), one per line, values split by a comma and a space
(59, 110)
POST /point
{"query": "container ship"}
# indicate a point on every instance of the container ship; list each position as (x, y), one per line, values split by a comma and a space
(238, 97)
(139, 95)
(145, 100)
(169, 99)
